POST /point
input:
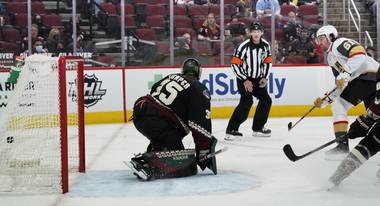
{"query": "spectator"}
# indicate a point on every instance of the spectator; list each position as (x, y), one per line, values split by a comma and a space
(288, 2)
(236, 31)
(38, 47)
(35, 37)
(185, 2)
(290, 28)
(201, 2)
(264, 8)
(183, 45)
(210, 30)
(304, 46)
(54, 42)
(371, 51)
(245, 7)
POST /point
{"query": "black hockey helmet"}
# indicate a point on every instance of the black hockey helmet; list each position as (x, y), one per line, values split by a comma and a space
(191, 67)
(256, 26)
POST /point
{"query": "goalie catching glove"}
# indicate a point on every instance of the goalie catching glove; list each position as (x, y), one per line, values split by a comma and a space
(204, 160)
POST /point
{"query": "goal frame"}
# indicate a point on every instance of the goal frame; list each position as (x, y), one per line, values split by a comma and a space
(62, 62)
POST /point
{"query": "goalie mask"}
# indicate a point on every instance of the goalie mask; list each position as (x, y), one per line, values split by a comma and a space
(191, 68)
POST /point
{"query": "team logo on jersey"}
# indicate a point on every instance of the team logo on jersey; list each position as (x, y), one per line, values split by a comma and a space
(92, 90)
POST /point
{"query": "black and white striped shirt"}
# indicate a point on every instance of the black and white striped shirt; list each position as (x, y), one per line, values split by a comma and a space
(252, 60)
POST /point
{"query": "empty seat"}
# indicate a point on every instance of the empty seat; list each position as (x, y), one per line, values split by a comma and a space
(38, 7)
(21, 20)
(295, 60)
(198, 10)
(308, 10)
(9, 47)
(163, 47)
(197, 22)
(182, 22)
(128, 8)
(108, 8)
(179, 10)
(16, 7)
(202, 48)
(228, 48)
(155, 10)
(309, 20)
(50, 20)
(11, 35)
(246, 20)
(156, 21)
(129, 22)
(146, 34)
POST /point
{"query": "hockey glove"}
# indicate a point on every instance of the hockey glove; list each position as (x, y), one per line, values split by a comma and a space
(360, 127)
(204, 160)
(342, 80)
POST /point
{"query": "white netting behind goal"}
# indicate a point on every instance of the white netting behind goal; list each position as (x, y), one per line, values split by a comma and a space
(30, 129)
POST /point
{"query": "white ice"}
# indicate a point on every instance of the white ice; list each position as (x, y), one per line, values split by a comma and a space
(252, 172)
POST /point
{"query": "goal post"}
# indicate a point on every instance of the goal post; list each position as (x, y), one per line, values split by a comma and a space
(42, 127)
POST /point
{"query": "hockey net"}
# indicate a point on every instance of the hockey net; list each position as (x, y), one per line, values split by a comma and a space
(42, 127)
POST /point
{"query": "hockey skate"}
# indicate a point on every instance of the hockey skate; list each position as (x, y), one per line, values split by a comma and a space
(233, 135)
(338, 152)
(140, 167)
(264, 132)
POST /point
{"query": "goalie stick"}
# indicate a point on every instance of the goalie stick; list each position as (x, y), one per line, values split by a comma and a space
(293, 157)
(214, 154)
(291, 125)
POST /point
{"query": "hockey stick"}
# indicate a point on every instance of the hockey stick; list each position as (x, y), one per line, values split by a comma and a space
(293, 157)
(291, 126)
(214, 154)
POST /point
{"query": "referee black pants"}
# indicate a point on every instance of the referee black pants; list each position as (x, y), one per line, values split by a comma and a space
(240, 113)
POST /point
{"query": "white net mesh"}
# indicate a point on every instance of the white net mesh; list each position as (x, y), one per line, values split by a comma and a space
(30, 149)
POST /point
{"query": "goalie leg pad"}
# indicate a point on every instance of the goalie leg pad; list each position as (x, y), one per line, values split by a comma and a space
(170, 164)
(346, 167)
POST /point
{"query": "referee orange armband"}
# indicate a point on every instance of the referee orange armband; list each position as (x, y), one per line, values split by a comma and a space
(268, 59)
(236, 60)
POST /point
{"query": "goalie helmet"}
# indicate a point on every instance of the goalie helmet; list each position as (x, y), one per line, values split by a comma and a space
(191, 68)
(328, 30)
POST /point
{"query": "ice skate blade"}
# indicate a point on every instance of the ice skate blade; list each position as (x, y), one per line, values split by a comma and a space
(232, 138)
(139, 173)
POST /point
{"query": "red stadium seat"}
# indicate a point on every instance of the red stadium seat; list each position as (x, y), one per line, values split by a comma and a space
(129, 22)
(9, 47)
(142, 1)
(11, 35)
(309, 20)
(308, 10)
(50, 20)
(247, 20)
(21, 20)
(202, 48)
(156, 21)
(155, 10)
(182, 22)
(108, 8)
(197, 22)
(198, 10)
(146, 34)
(163, 47)
(285, 9)
(128, 8)
(179, 10)
(228, 48)
(295, 60)
(16, 7)
(38, 7)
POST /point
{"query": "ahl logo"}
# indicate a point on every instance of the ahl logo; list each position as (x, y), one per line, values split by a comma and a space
(92, 90)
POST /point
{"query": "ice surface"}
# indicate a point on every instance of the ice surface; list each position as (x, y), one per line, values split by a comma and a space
(252, 172)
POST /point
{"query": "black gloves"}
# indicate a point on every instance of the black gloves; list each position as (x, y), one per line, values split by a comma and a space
(209, 162)
(360, 127)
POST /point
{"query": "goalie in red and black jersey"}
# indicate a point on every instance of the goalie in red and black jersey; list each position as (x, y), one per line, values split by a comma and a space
(367, 126)
(176, 105)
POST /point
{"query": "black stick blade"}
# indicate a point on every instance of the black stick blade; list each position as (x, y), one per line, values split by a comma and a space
(290, 126)
(290, 153)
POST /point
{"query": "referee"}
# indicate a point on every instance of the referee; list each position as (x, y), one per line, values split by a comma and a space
(251, 63)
